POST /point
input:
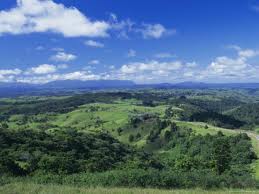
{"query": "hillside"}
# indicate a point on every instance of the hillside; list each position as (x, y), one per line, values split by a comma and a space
(165, 134)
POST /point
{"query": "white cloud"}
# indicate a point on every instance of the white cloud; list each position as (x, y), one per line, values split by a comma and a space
(124, 27)
(31, 16)
(155, 31)
(150, 66)
(93, 43)
(131, 53)
(63, 57)
(80, 75)
(77, 75)
(236, 69)
(234, 47)
(42, 69)
(8, 75)
(239, 68)
(10, 71)
(38, 16)
(94, 62)
(248, 53)
(151, 71)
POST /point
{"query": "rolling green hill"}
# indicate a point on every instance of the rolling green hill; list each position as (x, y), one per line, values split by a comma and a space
(160, 134)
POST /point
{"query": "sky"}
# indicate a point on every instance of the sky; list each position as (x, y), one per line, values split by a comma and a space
(158, 41)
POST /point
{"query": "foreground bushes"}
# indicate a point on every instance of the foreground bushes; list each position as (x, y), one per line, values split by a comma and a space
(97, 159)
(143, 178)
(65, 152)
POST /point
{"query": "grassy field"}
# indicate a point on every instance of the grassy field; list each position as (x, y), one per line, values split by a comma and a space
(21, 188)
(199, 128)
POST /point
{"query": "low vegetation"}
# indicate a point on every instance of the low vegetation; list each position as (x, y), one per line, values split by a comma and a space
(167, 139)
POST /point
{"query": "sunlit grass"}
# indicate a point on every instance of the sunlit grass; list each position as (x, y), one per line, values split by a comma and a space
(28, 188)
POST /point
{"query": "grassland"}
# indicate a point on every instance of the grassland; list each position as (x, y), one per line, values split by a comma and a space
(19, 188)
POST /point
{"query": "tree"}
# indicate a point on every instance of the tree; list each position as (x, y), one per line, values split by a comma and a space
(173, 127)
(5, 125)
(221, 155)
(167, 135)
(119, 131)
(138, 136)
(131, 138)
(169, 112)
(148, 103)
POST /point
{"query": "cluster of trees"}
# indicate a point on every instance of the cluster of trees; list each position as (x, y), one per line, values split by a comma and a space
(218, 154)
(26, 152)
(98, 156)
(217, 119)
(194, 113)
(62, 105)
(248, 113)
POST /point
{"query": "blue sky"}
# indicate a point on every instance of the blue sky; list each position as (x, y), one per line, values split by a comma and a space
(144, 41)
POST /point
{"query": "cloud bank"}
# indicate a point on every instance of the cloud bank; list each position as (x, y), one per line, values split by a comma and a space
(47, 16)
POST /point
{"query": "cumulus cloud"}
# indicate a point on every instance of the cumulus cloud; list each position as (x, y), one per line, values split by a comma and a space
(8, 75)
(237, 68)
(80, 75)
(152, 71)
(155, 31)
(10, 71)
(42, 69)
(77, 75)
(248, 53)
(39, 16)
(93, 43)
(150, 66)
(63, 57)
(31, 16)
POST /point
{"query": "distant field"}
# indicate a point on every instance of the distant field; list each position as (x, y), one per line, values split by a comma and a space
(199, 128)
(19, 188)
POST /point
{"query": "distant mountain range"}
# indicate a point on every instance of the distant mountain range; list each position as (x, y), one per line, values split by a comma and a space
(91, 84)
(202, 85)
(14, 89)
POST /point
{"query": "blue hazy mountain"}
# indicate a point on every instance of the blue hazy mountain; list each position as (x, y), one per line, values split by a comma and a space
(98, 84)
(18, 89)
